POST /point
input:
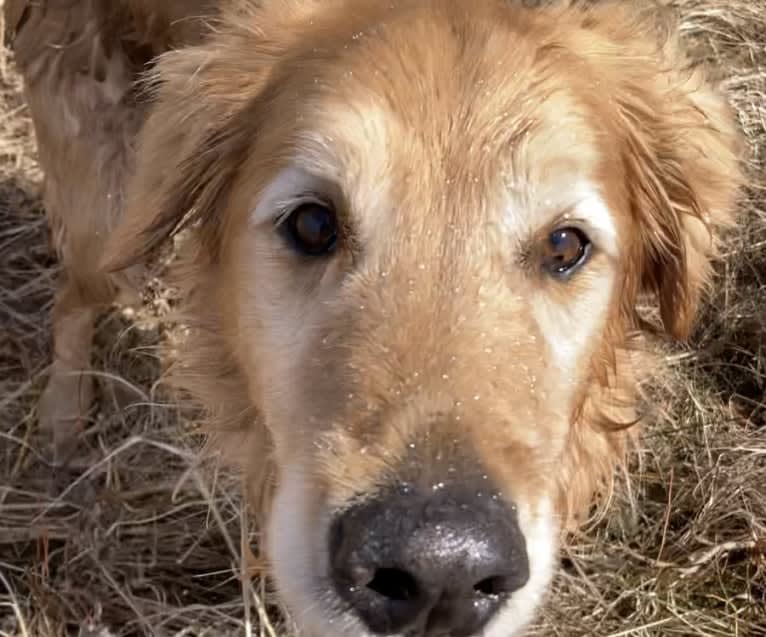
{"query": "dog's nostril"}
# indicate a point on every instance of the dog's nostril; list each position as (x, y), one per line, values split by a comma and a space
(497, 585)
(394, 584)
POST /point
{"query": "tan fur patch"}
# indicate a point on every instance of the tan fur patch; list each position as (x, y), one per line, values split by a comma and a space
(452, 138)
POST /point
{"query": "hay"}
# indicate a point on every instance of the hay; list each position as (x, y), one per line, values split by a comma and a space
(140, 540)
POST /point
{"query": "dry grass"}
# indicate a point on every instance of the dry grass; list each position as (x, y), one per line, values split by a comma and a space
(139, 540)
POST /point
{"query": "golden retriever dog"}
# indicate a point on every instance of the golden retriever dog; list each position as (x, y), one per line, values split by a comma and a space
(415, 237)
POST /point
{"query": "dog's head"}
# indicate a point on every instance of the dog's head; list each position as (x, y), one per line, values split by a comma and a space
(425, 226)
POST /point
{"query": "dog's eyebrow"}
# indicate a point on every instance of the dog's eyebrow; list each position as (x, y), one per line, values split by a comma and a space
(594, 211)
(291, 185)
(583, 204)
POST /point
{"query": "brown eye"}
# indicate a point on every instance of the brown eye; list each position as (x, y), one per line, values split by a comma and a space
(565, 250)
(313, 229)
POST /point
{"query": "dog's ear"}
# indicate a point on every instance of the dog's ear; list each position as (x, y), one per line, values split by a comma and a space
(202, 118)
(185, 157)
(680, 148)
(681, 160)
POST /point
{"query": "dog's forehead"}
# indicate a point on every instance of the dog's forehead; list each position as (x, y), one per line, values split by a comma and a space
(447, 81)
(434, 118)
(394, 156)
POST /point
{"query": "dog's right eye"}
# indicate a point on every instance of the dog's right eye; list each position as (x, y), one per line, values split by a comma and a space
(313, 228)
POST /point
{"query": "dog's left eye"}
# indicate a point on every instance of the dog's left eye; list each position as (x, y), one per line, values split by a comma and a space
(565, 250)
(313, 228)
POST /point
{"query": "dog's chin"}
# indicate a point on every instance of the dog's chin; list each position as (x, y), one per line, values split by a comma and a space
(298, 552)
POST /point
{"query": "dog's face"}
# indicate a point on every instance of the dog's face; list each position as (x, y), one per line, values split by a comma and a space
(421, 280)
(427, 225)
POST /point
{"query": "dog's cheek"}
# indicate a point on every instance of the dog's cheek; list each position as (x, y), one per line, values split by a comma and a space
(571, 322)
(261, 320)
(284, 310)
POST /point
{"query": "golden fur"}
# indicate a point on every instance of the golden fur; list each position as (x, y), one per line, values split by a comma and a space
(455, 134)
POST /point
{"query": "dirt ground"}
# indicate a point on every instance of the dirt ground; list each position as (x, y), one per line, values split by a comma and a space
(140, 540)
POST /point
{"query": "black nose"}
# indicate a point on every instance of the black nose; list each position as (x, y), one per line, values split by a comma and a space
(440, 564)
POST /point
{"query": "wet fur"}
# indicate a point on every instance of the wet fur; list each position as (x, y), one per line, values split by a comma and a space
(669, 172)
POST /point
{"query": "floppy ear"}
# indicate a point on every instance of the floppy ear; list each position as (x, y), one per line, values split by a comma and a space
(200, 124)
(185, 158)
(680, 150)
(683, 177)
